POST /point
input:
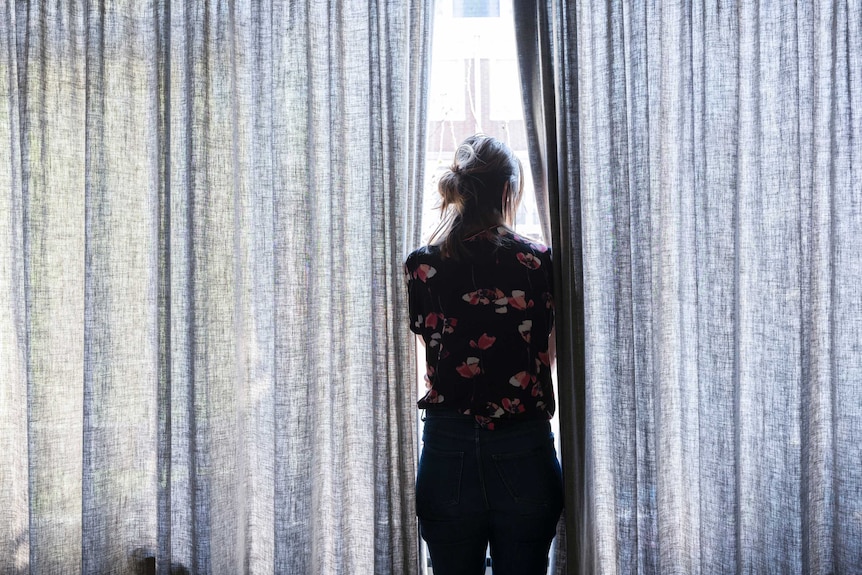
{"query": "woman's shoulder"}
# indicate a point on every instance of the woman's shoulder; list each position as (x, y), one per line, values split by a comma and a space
(423, 264)
(525, 244)
(425, 255)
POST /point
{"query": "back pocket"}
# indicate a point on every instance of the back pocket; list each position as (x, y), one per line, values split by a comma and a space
(438, 480)
(531, 476)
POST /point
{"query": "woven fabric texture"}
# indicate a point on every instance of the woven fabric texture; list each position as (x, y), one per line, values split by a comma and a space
(203, 338)
(710, 155)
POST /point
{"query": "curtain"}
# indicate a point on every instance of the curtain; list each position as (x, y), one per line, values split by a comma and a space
(205, 365)
(709, 176)
(548, 68)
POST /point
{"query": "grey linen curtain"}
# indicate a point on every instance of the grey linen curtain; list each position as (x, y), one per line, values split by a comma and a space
(204, 360)
(547, 61)
(709, 174)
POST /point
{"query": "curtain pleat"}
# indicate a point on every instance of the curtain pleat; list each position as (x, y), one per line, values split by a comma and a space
(117, 267)
(45, 291)
(14, 342)
(548, 67)
(206, 366)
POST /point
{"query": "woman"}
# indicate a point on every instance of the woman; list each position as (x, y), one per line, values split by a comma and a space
(480, 297)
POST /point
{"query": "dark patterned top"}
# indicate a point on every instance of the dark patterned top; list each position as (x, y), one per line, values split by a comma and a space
(485, 322)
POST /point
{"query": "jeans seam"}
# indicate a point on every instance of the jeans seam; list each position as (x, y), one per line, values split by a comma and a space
(481, 469)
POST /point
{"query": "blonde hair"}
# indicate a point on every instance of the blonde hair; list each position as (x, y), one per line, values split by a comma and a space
(480, 190)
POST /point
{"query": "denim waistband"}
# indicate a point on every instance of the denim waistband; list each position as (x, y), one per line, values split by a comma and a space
(454, 424)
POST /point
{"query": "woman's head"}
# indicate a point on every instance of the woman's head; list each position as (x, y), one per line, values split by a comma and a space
(480, 190)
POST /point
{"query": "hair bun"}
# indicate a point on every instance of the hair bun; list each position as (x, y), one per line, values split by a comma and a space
(481, 188)
(449, 187)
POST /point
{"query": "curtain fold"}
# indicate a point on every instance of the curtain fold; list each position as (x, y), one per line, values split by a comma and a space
(548, 67)
(205, 362)
(718, 148)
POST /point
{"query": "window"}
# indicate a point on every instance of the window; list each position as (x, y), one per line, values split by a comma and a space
(476, 8)
(474, 87)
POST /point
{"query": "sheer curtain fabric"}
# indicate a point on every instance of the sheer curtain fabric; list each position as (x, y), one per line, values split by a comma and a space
(714, 191)
(203, 342)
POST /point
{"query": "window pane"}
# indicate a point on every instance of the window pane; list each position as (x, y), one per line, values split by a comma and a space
(476, 8)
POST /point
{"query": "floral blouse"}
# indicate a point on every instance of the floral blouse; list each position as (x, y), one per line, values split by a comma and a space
(485, 322)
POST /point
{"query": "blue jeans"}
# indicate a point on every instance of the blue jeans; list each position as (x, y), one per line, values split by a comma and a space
(477, 487)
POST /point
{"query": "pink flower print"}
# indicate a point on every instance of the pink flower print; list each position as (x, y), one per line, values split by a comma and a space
(469, 368)
(433, 397)
(485, 422)
(539, 247)
(482, 296)
(434, 340)
(513, 405)
(496, 410)
(518, 300)
(471, 297)
(432, 319)
(429, 374)
(449, 324)
(485, 341)
(529, 261)
(524, 329)
(522, 379)
(536, 390)
(424, 271)
(545, 358)
(549, 300)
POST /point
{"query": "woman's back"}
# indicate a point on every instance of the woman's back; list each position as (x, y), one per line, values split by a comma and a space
(485, 319)
(480, 296)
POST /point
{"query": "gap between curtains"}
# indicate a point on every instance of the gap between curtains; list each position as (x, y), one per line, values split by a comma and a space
(205, 362)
